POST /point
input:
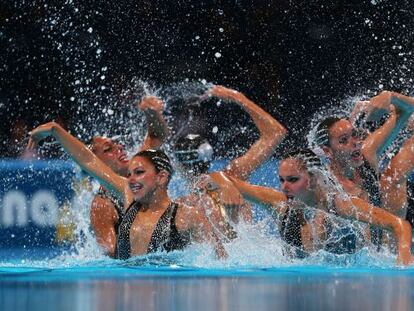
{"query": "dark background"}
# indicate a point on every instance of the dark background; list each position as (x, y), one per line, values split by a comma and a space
(71, 61)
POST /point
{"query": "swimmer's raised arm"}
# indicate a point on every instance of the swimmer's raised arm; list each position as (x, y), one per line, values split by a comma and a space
(361, 210)
(393, 180)
(376, 139)
(157, 131)
(260, 194)
(271, 134)
(82, 155)
(400, 108)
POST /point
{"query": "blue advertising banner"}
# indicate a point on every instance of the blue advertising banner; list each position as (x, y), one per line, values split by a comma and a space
(32, 197)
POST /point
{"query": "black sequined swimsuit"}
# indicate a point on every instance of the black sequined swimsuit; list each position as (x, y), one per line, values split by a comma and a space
(164, 238)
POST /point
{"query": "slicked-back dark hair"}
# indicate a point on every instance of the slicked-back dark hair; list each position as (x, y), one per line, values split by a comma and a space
(322, 131)
(158, 158)
(306, 156)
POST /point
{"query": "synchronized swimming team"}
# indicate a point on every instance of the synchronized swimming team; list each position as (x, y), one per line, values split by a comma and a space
(132, 213)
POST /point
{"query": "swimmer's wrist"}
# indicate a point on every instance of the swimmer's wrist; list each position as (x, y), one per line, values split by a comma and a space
(55, 129)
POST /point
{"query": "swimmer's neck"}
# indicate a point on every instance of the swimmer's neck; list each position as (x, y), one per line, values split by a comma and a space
(159, 201)
(341, 171)
(311, 199)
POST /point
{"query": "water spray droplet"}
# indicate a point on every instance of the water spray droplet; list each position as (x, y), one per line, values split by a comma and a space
(217, 55)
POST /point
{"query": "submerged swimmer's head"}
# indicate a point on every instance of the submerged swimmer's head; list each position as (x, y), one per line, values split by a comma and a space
(194, 153)
(149, 171)
(111, 152)
(340, 141)
(297, 173)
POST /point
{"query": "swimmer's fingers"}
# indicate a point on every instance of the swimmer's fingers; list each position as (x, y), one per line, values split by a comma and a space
(393, 110)
(405, 260)
(204, 97)
(231, 198)
(151, 103)
(41, 132)
(32, 144)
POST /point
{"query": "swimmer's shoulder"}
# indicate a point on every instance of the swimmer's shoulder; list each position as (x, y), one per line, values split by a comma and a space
(103, 208)
(186, 214)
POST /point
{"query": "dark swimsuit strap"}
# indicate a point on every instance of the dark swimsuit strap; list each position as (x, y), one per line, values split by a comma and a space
(166, 235)
(123, 239)
(163, 229)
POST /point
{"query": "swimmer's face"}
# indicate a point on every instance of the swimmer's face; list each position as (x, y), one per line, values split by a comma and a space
(294, 179)
(344, 144)
(142, 178)
(112, 154)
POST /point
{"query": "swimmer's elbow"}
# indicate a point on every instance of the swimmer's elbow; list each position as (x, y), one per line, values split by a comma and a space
(274, 132)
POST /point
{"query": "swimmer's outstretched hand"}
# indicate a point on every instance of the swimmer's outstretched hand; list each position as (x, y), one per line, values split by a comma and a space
(405, 260)
(151, 104)
(41, 132)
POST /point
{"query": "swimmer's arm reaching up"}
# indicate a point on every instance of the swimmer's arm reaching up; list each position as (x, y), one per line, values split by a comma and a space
(375, 140)
(361, 210)
(157, 132)
(393, 180)
(83, 156)
(271, 134)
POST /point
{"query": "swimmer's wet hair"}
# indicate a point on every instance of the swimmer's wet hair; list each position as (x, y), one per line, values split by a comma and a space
(322, 131)
(158, 158)
(309, 158)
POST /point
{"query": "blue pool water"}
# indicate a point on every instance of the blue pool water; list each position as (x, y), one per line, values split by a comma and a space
(102, 287)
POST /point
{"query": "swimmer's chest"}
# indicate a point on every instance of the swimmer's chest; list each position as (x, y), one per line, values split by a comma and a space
(354, 189)
(142, 230)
